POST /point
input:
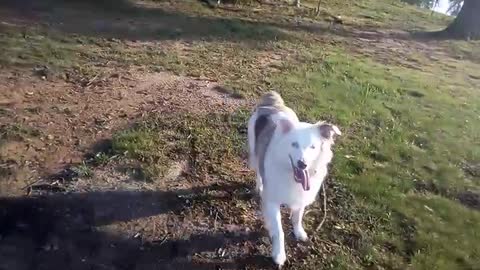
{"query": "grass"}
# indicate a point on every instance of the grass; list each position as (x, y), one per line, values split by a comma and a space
(395, 141)
(16, 132)
(83, 170)
(159, 142)
(383, 14)
(410, 133)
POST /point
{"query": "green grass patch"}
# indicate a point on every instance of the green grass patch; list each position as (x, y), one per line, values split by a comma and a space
(37, 46)
(401, 129)
(388, 14)
(83, 170)
(16, 132)
(211, 144)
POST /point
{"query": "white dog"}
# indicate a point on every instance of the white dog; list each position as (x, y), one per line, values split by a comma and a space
(290, 159)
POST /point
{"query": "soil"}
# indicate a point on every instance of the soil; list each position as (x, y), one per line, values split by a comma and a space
(109, 221)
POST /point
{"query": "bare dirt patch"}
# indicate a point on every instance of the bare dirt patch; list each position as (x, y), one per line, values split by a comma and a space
(70, 118)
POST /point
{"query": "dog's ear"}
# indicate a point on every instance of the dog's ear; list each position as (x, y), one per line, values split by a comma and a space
(328, 131)
(285, 125)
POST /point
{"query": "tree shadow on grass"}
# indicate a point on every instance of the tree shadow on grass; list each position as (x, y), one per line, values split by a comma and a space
(125, 20)
(122, 19)
(61, 231)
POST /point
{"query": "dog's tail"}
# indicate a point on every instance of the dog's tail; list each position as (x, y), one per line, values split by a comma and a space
(272, 99)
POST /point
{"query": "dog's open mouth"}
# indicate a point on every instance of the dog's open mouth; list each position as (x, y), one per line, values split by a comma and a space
(301, 176)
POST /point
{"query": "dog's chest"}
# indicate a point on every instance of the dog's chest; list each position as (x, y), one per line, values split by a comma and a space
(282, 188)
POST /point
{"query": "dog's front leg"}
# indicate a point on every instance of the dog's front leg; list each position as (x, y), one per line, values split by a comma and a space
(297, 217)
(259, 184)
(273, 223)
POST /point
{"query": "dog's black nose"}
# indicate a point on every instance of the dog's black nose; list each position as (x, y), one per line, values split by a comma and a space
(301, 165)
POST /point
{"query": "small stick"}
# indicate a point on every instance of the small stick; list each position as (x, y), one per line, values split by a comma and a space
(324, 207)
(92, 80)
(328, 243)
(318, 8)
(31, 184)
(163, 240)
(215, 221)
(51, 187)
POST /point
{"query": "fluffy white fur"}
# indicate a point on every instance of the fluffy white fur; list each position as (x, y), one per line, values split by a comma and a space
(294, 140)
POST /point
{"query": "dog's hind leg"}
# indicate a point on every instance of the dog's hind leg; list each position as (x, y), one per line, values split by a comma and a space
(297, 217)
(253, 164)
(252, 158)
(258, 177)
(252, 161)
(273, 223)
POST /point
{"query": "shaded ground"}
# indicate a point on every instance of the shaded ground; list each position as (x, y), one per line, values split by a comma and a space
(81, 231)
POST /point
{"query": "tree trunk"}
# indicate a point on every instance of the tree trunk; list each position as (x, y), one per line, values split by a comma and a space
(467, 23)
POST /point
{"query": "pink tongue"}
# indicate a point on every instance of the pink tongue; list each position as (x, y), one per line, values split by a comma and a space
(302, 177)
(306, 180)
(303, 174)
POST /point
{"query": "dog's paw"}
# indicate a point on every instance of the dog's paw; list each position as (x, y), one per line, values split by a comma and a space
(279, 258)
(300, 234)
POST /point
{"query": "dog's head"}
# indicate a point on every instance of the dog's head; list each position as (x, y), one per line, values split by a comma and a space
(305, 147)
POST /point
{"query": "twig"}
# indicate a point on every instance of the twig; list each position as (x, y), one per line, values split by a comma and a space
(324, 193)
(92, 80)
(31, 184)
(318, 8)
(215, 221)
(161, 242)
(48, 187)
(328, 243)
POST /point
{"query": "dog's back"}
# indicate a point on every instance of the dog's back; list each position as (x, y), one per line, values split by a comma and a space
(271, 99)
(272, 104)
(262, 126)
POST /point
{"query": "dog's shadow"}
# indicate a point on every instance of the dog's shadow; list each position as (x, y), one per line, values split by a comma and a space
(28, 224)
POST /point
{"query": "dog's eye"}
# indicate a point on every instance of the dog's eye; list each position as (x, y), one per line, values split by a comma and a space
(295, 145)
